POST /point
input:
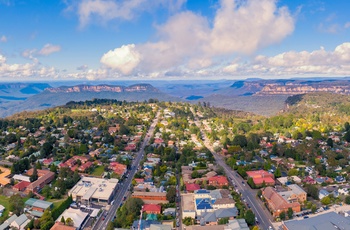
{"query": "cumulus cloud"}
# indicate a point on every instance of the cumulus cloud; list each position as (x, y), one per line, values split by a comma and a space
(102, 11)
(292, 63)
(125, 59)
(3, 38)
(26, 70)
(49, 49)
(190, 40)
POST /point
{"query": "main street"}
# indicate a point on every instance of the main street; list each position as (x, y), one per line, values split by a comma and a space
(123, 188)
(248, 194)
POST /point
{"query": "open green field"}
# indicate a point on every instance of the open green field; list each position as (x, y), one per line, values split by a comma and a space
(4, 201)
(98, 171)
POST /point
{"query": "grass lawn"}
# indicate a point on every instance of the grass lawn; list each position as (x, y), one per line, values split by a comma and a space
(56, 202)
(98, 171)
(5, 202)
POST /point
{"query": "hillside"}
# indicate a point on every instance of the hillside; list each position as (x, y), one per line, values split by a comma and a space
(52, 97)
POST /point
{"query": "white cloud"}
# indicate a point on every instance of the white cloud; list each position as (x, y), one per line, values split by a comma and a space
(124, 59)
(318, 62)
(49, 49)
(3, 38)
(102, 11)
(26, 70)
(188, 39)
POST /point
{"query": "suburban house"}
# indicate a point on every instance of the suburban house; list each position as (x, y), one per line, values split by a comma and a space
(212, 218)
(37, 207)
(118, 168)
(192, 187)
(276, 203)
(152, 209)
(79, 217)
(261, 176)
(218, 181)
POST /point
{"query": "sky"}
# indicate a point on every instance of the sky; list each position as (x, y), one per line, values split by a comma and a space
(43, 40)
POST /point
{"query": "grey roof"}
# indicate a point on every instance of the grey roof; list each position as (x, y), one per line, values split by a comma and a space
(220, 213)
(21, 219)
(38, 203)
(325, 221)
(237, 224)
(160, 227)
(296, 189)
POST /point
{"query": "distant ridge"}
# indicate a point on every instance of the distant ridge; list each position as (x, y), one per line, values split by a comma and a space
(103, 88)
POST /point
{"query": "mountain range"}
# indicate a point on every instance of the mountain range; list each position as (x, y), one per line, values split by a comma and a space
(265, 97)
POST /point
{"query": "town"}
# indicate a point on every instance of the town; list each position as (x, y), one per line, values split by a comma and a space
(106, 164)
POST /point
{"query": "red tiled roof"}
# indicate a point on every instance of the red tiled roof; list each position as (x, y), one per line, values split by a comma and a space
(21, 185)
(268, 180)
(192, 187)
(152, 208)
(221, 180)
(259, 174)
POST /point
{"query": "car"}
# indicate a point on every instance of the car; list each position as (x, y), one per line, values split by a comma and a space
(270, 228)
(305, 217)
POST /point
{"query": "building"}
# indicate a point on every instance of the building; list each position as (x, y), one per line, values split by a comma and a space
(45, 177)
(79, 217)
(94, 190)
(4, 173)
(37, 207)
(152, 209)
(277, 204)
(21, 186)
(209, 201)
(16, 222)
(61, 226)
(151, 197)
(237, 224)
(261, 176)
(118, 168)
(218, 181)
(212, 218)
(325, 221)
(294, 194)
(192, 187)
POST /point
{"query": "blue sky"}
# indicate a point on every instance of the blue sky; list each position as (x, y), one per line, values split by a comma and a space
(173, 39)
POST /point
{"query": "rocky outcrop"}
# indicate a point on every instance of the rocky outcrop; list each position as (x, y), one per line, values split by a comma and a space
(103, 88)
(294, 89)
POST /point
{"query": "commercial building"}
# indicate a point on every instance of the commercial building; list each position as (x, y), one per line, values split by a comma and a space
(325, 221)
(277, 204)
(79, 217)
(94, 190)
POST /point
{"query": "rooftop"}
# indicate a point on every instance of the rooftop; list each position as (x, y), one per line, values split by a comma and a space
(325, 221)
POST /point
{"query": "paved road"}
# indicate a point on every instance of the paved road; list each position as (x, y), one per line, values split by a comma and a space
(123, 189)
(248, 194)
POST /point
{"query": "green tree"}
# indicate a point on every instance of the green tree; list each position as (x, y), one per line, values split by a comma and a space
(223, 221)
(330, 142)
(290, 213)
(16, 204)
(171, 194)
(347, 200)
(326, 200)
(278, 172)
(312, 191)
(347, 136)
(282, 215)
(240, 140)
(34, 176)
(249, 217)
(62, 220)
(69, 222)
(251, 182)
